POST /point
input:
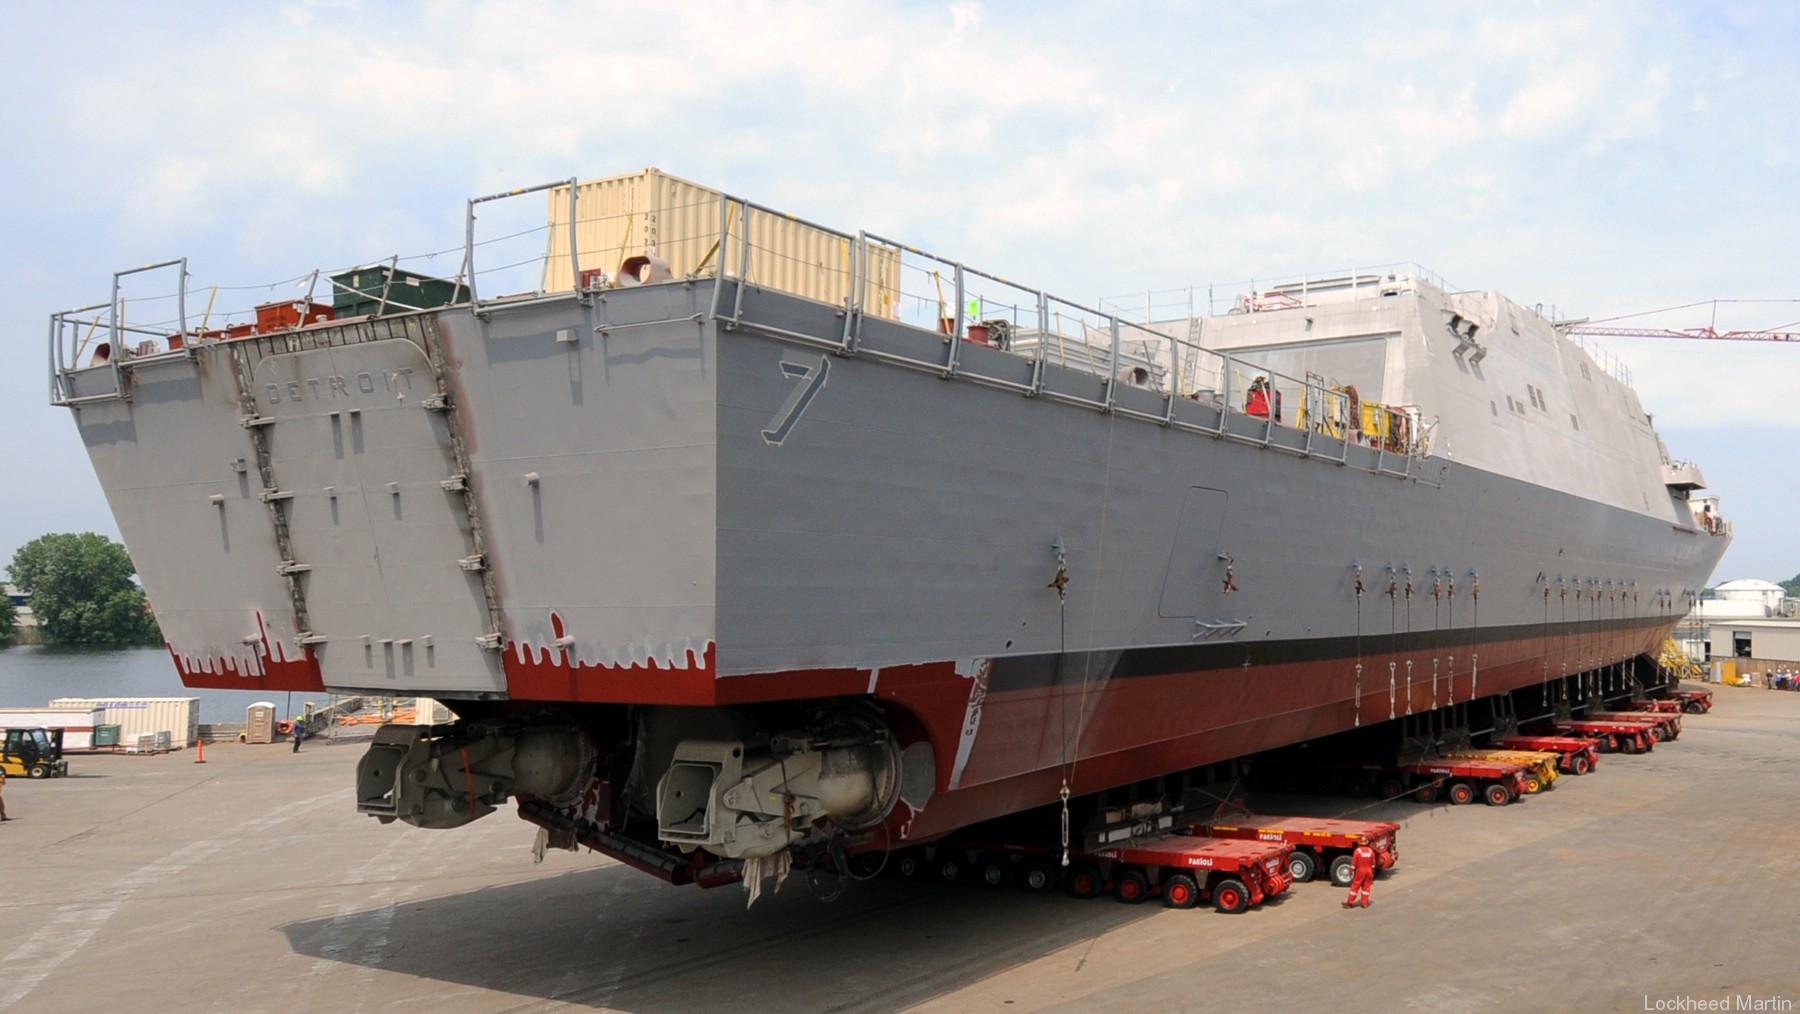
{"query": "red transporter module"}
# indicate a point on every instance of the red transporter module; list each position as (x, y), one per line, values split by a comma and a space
(1667, 726)
(1318, 842)
(1694, 702)
(1579, 754)
(1185, 870)
(1460, 781)
(1609, 736)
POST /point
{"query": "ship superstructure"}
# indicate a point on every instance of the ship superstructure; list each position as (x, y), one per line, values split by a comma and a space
(740, 534)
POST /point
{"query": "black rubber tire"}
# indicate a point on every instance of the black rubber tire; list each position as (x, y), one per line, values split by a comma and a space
(1302, 866)
(995, 873)
(1084, 880)
(1629, 745)
(1693, 708)
(1497, 794)
(1533, 785)
(1181, 891)
(1343, 870)
(864, 865)
(1359, 785)
(1460, 793)
(1391, 788)
(1580, 764)
(951, 869)
(1428, 792)
(1132, 887)
(908, 865)
(1041, 876)
(1656, 734)
(1231, 896)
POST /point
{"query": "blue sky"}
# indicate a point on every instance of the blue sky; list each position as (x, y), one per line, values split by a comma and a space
(1602, 158)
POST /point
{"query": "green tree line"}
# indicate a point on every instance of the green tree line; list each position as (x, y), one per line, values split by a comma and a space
(80, 591)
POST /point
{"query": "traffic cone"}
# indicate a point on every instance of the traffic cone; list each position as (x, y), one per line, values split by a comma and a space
(199, 751)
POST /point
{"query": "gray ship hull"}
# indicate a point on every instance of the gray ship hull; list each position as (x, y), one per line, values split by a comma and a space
(654, 502)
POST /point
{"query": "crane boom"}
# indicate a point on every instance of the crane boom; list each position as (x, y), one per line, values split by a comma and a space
(1610, 327)
(1694, 332)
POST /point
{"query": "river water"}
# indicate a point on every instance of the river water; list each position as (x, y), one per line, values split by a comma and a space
(32, 675)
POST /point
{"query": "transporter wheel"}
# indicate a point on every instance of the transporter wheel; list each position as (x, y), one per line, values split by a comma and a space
(1231, 896)
(1391, 788)
(1181, 891)
(1692, 708)
(1630, 744)
(908, 865)
(1533, 785)
(1461, 793)
(1674, 733)
(1359, 785)
(39, 771)
(1343, 870)
(1498, 795)
(1428, 793)
(1580, 764)
(1041, 877)
(868, 865)
(995, 872)
(950, 869)
(1132, 887)
(1302, 866)
(1084, 880)
(1655, 733)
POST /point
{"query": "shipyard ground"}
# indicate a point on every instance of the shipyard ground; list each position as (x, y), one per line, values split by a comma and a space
(248, 883)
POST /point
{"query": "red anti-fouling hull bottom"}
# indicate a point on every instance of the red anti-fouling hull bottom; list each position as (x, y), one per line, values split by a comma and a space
(1002, 750)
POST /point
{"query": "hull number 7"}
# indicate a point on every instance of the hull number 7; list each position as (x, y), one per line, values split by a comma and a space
(811, 377)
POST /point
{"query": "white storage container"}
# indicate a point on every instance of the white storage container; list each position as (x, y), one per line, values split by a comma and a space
(178, 716)
(77, 725)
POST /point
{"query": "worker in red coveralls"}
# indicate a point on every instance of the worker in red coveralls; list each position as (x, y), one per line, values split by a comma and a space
(1256, 403)
(1363, 875)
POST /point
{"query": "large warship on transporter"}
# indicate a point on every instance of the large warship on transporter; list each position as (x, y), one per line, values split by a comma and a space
(740, 535)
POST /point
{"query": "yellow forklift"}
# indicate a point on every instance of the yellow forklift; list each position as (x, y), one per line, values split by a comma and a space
(32, 753)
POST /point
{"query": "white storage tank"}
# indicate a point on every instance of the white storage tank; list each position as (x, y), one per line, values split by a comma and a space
(178, 716)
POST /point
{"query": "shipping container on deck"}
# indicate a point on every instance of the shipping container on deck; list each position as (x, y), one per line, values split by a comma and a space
(625, 216)
(78, 725)
(380, 289)
(178, 716)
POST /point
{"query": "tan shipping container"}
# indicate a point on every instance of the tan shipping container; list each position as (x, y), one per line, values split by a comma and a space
(625, 216)
(135, 716)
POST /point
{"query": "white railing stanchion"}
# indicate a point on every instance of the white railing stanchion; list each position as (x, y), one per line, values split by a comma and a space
(743, 278)
(574, 246)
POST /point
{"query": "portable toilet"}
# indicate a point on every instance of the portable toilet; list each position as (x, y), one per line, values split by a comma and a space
(259, 723)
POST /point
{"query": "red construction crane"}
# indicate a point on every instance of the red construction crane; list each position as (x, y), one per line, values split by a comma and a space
(1602, 328)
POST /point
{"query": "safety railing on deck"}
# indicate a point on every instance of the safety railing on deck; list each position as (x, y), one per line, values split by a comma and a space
(867, 276)
(967, 306)
(1252, 296)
